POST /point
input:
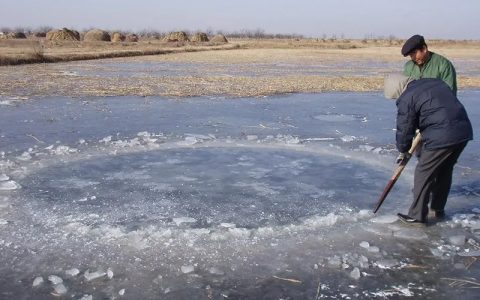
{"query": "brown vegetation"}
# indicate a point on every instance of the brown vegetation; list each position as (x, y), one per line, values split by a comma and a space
(64, 34)
(118, 37)
(219, 38)
(254, 68)
(178, 36)
(133, 38)
(199, 37)
(97, 35)
(13, 35)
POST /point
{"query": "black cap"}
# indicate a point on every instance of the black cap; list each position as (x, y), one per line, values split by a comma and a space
(413, 43)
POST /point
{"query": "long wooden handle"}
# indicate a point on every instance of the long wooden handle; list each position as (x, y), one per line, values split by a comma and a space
(398, 172)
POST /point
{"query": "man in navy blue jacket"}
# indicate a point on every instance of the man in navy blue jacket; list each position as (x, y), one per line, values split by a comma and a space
(430, 106)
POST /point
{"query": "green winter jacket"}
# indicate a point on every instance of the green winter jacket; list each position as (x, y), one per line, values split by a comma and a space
(436, 67)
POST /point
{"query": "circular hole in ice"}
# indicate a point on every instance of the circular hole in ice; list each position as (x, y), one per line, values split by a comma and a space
(202, 187)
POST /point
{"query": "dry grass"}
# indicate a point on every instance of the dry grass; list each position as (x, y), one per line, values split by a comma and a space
(246, 68)
(15, 52)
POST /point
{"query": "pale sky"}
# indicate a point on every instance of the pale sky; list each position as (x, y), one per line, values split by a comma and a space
(445, 19)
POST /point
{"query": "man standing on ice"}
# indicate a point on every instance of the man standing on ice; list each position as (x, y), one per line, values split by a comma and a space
(430, 106)
(427, 64)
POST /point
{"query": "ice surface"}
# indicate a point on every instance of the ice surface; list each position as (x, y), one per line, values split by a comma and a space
(233, 203)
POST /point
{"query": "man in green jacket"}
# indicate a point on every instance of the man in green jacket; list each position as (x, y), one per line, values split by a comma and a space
(427, 64)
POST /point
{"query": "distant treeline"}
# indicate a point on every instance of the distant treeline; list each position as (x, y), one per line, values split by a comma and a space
(151, 33)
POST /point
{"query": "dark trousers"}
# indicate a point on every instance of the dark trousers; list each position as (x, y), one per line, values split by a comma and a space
(433, 179)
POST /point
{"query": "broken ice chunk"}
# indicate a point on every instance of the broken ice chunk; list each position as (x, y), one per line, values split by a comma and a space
(189, 141)
(411, 234)
(348, 138)
(54, 279)
(187, 269)
(457, 240)
(364, 213)
(24, 157)
(9, 185)
(470, 253)
(37, 281)
(387, 263)
(292, 140)
(109, 273)
(86, 297)
(72, 272)
(228, 225)
(121, 292)
(60, 289)
(91, 276)
(181, 220)
(436, 252)
(3, 222)
(355, 274)
(4, 177)
(387, 219)
(215, 271)
(364, 244)
(334, 261)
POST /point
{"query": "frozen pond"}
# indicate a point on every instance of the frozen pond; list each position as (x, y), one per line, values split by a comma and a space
(124, 68)
(214, 198)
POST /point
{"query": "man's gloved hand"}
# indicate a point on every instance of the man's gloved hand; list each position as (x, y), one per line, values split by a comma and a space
(402, 156)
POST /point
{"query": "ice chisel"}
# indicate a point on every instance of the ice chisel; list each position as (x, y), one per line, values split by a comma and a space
(398, 171)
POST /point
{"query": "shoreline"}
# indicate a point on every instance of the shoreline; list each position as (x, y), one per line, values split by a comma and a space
(238, 69)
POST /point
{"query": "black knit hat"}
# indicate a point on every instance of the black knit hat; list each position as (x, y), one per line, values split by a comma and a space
(413, 43)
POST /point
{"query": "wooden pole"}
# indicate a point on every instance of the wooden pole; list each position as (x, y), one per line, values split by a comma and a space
(398, 172)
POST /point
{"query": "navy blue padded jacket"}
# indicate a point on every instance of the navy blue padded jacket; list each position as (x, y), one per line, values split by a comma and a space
(429, 105)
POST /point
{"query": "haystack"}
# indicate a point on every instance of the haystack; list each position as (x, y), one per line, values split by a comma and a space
(97, 35)
(13, 35)
(199, 37)
(63, 35)
(219, 38)
(118, 37)
(177, 36)
(40, 34)
(132, 38)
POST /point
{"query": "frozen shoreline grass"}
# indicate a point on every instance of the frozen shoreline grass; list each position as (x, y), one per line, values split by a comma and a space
(23, 52)
(248, 68)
